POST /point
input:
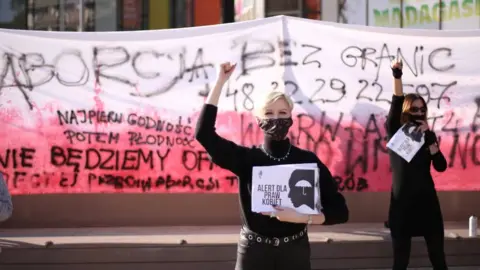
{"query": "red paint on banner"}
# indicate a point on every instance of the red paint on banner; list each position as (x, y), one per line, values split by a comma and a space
(50, 156)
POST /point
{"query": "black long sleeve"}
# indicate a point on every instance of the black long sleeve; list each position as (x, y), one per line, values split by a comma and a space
(334, 205)
(393, 117)
(240, 160)
(439, 162)
(226, 154)
(438, 159)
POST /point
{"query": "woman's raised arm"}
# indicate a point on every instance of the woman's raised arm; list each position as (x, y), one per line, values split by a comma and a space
(393, 118)
(222, 152)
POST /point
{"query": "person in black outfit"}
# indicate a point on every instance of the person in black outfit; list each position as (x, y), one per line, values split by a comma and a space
(276, 240)
(414, 205)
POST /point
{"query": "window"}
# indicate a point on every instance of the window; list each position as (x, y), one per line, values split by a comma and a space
(284, 7)
(182, 13)
(76, 17)
(133, 14)
(106, 15)
(12, 14)
(296, 8)
(61, 15)
(44, 15)
(312, 9)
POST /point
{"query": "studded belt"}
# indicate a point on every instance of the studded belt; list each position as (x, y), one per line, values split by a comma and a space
(275, 241)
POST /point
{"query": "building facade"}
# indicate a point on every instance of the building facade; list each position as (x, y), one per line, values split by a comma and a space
(99, 15)
(107, 15)
(121, 15)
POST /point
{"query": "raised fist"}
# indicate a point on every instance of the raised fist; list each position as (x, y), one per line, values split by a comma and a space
(226, 70)
(397, 66)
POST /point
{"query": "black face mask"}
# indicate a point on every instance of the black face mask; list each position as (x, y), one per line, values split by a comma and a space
(277, 128)
(414, 118)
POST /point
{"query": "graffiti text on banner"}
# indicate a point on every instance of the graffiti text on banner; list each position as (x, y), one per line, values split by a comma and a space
(90, 116)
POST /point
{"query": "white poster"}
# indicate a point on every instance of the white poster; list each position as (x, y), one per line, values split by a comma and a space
(406, 142)
(293, 186)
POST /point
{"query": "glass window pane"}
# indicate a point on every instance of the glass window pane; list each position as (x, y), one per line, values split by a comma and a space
(274, 6)
(70, 12)
(12, 14)
(353, 12)
(132, 18)
(183, 13)
(312, 9)
(89, 14)
(105, 12)
(44, 15)
(293, 13)
(71, 15)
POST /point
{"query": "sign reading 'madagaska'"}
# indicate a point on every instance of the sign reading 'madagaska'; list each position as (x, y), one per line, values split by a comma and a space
(422, 13)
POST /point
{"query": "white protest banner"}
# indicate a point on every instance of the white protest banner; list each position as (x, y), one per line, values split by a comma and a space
(116, 112)
(406, 142)
(292, 186)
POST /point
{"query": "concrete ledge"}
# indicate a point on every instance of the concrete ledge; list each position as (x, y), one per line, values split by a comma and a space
(352, 246)
(187, 209)
(199, 234)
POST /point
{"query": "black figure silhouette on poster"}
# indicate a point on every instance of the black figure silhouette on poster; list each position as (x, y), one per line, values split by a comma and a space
(411, 131)
(302, 185)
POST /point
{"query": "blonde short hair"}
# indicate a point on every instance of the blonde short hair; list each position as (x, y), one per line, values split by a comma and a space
(270, 98)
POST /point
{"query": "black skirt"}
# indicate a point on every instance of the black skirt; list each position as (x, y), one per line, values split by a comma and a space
(416, 215)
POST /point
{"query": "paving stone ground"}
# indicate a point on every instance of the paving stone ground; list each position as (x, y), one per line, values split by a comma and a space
(429, 268)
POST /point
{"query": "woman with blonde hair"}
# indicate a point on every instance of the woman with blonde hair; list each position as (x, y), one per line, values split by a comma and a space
(414, 206)
(276, 240)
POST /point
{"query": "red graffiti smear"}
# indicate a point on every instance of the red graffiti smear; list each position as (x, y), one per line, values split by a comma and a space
(59, 165)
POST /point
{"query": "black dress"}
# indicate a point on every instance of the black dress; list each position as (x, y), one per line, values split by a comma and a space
(240, 160)
(414, 206)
